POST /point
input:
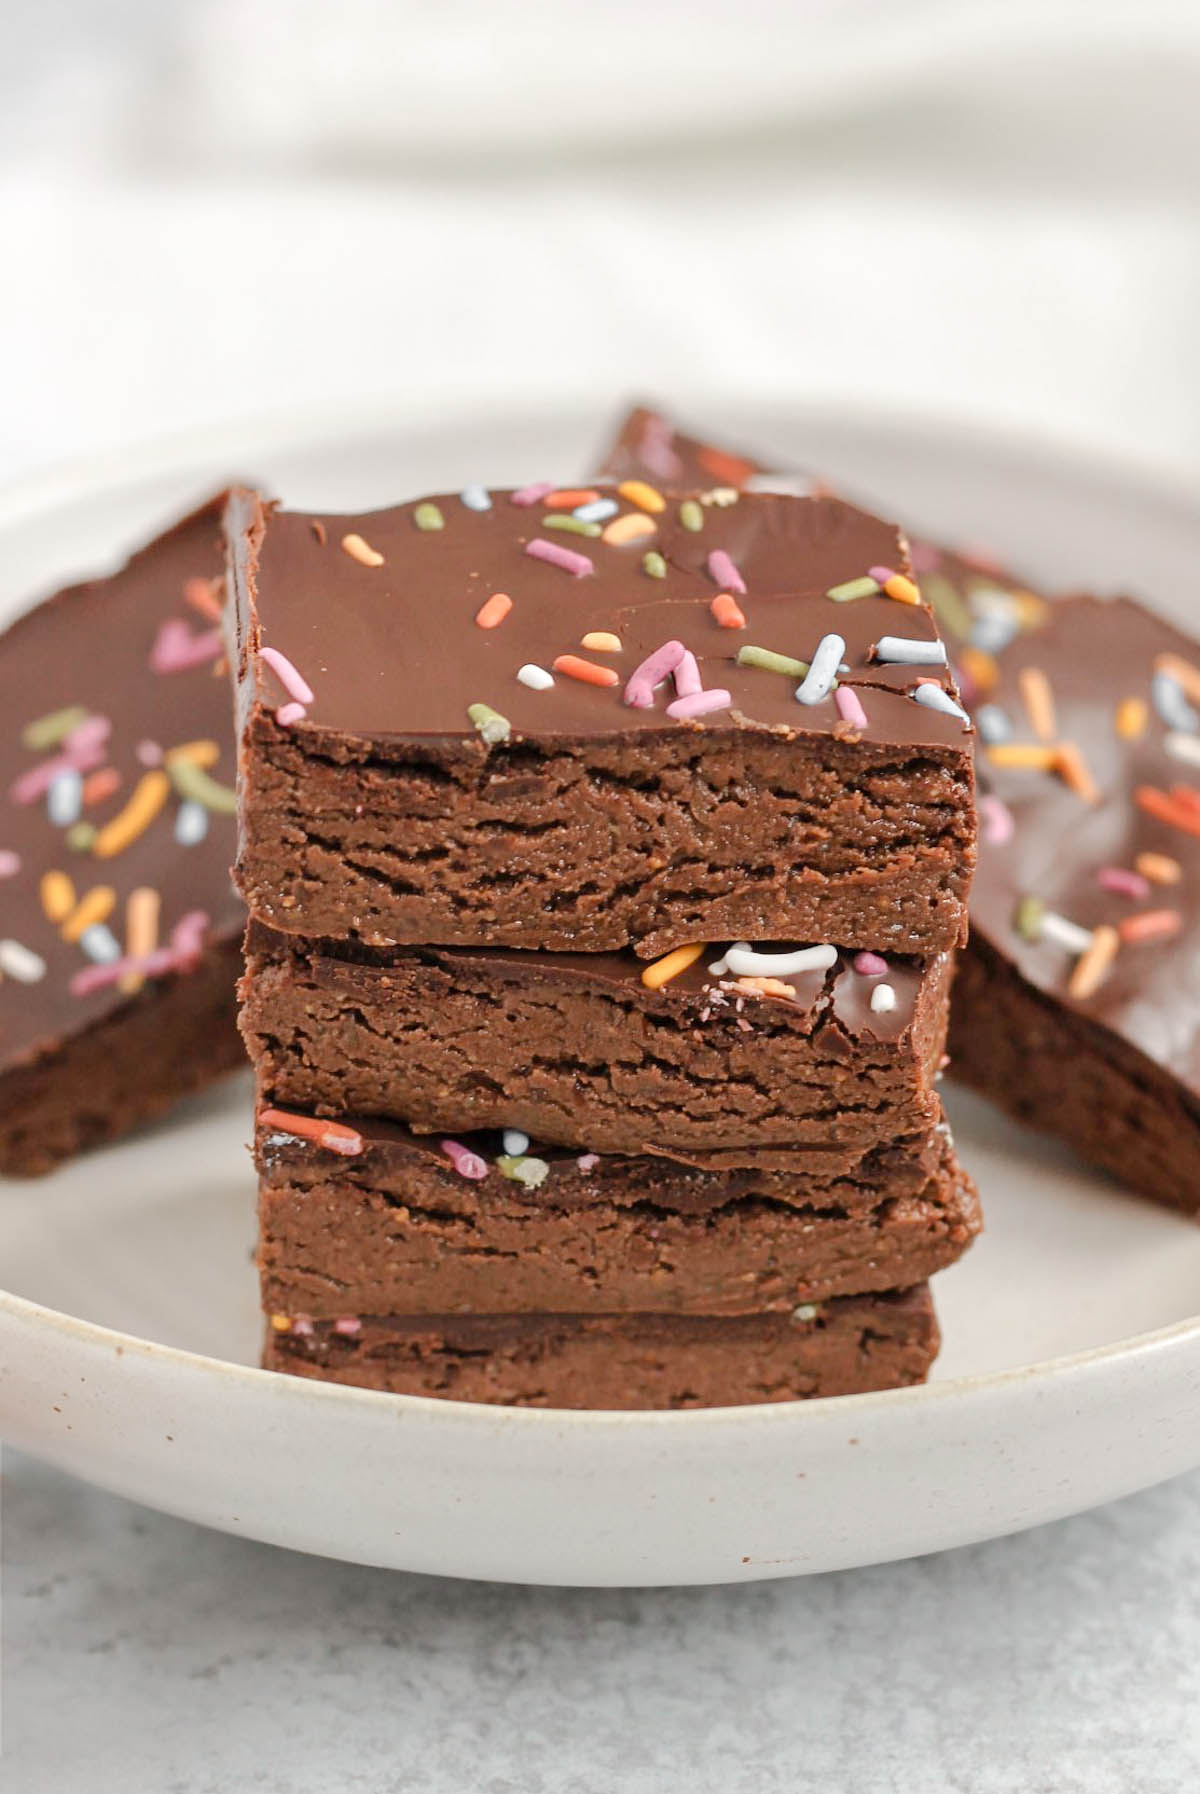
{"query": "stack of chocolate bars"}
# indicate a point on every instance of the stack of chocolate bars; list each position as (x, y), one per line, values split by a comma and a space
(606, 851)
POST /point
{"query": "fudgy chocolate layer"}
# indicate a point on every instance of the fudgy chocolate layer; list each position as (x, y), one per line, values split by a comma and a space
(844, 1347)
(396, 1226)
(575, 1050)
(376, 811)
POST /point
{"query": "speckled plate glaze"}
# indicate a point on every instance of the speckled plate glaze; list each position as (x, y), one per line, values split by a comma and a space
(1071, 1368)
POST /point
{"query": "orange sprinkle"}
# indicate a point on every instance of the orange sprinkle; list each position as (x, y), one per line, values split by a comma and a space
(1031, 610)
(100, 784)
(1188, 796)
(629, 528)
(1159, 868)
(1166, 809)
(1151, 925)
(905, 590)
(204, 595)
(1038, 699)
(319, 531)
(727, 611)
(601, 641)
(141, 933)
(766, 987)
(1182, 671)
(280, 1323)
(493, 610)
(96, 906)
(1092, 966)
(1132, 716)
(149, 796)
(311, 1127)
(734, 469)
(200, 753)
(58, 895)
(586, 670)
(646, 498)
(979, 666)
(670, 965)
(1024, 754)
(361, 551)
(569, 497)
(1074, 771)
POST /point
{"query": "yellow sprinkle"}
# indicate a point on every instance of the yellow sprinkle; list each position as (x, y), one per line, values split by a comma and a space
(1091, 968)
(358, 550)
(142, 908)
(1038, 699)
(670, 965)
(1025, 754)
(1074, 771)
(644, 496)
(281, 1323)
(632, 527)
(1031, 610)
(1182, 671)
(1132, 716)
(1159, 868)
(903, 589)
(150, 794)
(94, 906)
(980, 666)
(58, 895)
(200, 753)
(601, 641)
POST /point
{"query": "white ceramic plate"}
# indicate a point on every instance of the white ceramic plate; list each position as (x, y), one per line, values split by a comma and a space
(1071, 1369)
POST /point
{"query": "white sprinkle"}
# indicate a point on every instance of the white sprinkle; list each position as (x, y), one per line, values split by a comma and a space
(822, 670)
(1183, 747)
(1063, 933)
(476, 498)
(21, 962)
(1172, 706)
(596, 510)
(535, 677)
(747, 962)
(100, 944)
(883, 999)
(515, 1142)
(531, 1172)
(994, 724)
(795, 485)
(807, 1311)
(719, 967)
(934, 698)
(991, 634)
(64, 800)
(191, 824)
(909, 651)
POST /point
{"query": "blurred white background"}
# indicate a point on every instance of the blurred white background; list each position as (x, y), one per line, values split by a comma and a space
(215, 209)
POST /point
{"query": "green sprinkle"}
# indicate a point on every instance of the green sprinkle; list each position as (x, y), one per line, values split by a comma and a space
(851, 589)
(1030, 912)
(947, 604)
(428, 517)
(79, 836)
(191, 781)
(491, 725)
(578, 526)
(522, 1170)
(690, 514)
(48, 730)
(772, 662)
(654, 564)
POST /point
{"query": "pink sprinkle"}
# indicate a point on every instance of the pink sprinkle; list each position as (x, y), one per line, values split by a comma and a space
(687, 676)
(657, 450)
(656, 667)
(10, 862)
(699, 704)
(968, 688)
(588, 1161)
(465, 1162)
(301, 1325)
(149, 753)
(349, 1324)
(881, 575)
(870, 965)
(82, 751)
(925, 557)
(291, 681)
(997, 819)
(566, 558)
(1124, 882)
(723, 572)
(186, 946)
(287, 714)
(176, 648)
(529, 495)
(849, 708)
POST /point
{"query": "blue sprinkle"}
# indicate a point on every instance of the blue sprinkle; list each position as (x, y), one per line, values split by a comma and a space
(994, 724)
(1171, 704)
(100, 943)
(64, 800)
(596, 510)
(476, 498)
(191, 824)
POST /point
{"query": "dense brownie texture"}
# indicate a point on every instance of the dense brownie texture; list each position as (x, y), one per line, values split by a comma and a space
(1113, 1067)
(844, 1347)
(373, 1232)
(377, 811)
(113, 695)
(574, 1049)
